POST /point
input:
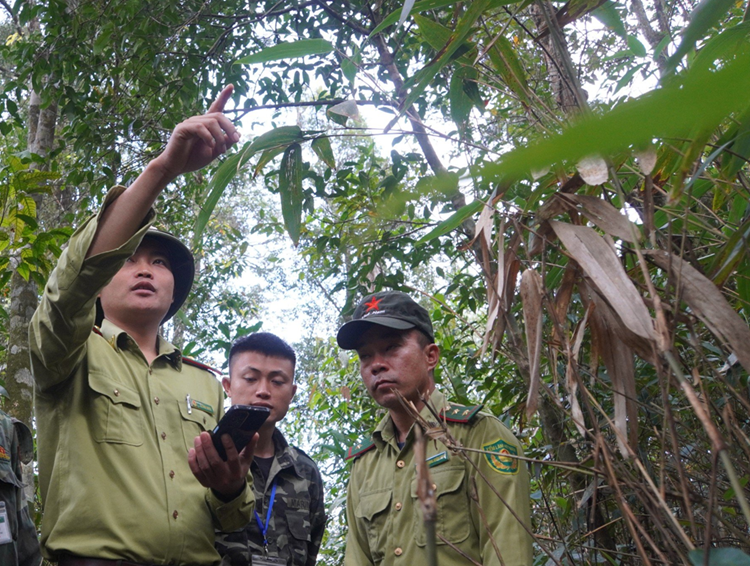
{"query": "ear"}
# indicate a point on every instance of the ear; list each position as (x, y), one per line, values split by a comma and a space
(227, 384)
(432, 355)
(294, 390)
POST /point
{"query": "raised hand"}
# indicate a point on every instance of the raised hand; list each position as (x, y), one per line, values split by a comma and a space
(199, 140)
(226, 478)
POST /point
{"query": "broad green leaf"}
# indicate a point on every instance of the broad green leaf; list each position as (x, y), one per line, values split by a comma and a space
(463, 30)
(720, 557)
(437, 36)
(453, 222)
(322, 148)
(608, 14)
(740, 149)
(3, 392)
(503, 57)
(704, 17)
(726, 44)
(393, 17)
(224, 174)
(636, 46)
(290, 189)
(278, 137)
(266, 157)
(350, 65)
(23, 270)
(702, 101)
(294, 50)
(730, 255)
(461, 104)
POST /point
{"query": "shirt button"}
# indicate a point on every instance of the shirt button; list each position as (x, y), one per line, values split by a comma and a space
(175, 514)
(171, 473)
(116, 392)
(150, 371)
(400, 464)
(163, 435)
(397, 552)
(434, 487)
(398, 506)
(156, 400)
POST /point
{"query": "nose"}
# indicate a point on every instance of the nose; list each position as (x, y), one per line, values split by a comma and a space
(262, 391)
(143, 269)
(377, 365)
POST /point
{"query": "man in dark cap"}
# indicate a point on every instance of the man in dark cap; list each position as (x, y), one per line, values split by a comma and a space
(127, 470)
(394, 339)
(19, 545)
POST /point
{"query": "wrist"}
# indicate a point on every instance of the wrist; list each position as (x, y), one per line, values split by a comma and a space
(231, 492)
(159, 172)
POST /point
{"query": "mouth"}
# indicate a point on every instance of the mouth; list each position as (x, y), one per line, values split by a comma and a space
(143, 286)
(385, 384)
(266, 405)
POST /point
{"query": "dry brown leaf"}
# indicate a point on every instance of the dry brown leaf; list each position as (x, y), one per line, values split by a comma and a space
(563, 297)
(531, 296)
(593, 170)
(600, 262)
(708, 304)
(618, 359)
(346, 393)
(571, 375)
(606, 217)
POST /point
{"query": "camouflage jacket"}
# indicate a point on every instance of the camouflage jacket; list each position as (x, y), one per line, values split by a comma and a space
(297, 517)
(15, 445)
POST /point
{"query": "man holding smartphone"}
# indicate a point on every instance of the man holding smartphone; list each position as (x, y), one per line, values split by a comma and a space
(290, 514)
(122, 417)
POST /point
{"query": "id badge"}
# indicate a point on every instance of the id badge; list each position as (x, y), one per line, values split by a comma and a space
(260, 560)
(5, 536)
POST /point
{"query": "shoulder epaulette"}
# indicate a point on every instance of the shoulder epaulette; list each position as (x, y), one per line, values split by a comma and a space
(359, 449)
(197, 364)
(460, 413)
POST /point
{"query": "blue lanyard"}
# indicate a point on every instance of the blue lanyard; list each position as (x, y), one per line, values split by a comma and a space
(264, 528)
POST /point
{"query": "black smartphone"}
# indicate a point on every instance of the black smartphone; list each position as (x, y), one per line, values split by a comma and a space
(240, 422)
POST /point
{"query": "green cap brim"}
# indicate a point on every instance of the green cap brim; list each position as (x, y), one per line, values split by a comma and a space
(350, 334)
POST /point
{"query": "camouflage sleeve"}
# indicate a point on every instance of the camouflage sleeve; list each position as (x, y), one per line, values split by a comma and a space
(317, 518)
(233, 548)
(27, 543)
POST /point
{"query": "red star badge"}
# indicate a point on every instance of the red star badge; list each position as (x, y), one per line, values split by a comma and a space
(373, 305)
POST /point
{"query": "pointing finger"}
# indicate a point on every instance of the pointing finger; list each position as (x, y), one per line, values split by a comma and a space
(222, 99)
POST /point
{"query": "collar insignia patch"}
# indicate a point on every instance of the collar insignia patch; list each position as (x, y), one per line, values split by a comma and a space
(4, 454)
(498, 455)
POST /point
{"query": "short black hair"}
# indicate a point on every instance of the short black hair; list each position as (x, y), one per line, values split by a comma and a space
(264, 343)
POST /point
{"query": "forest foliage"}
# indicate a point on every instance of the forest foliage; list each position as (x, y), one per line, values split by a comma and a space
(582, 249)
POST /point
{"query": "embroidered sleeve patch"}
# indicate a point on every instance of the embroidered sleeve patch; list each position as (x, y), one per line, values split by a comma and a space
(498, 456)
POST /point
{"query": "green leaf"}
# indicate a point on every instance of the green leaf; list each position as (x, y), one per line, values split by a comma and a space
(23, 270)
(224, 174)
(507, 64)
(461, 104)
(322, 148)
(278, 137)
(608, 14)
(437, 36)
(463, 30)
(294, 50)
(290, 189)
(726, 44)
(266, 157)
(699, 103)
(451, 223)
(730, 255)
(3, 392)
(720, 557)
(350, 65)
(636, 46)
(393, 17)
(705, 16)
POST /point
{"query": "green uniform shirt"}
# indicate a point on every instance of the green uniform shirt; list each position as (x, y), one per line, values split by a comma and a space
(113, 433)
(383, 513)
(297, 517)
(18, 543)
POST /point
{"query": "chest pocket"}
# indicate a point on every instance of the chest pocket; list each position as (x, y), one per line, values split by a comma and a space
(116, 415)
(371, 511)
(453, 520)
(194, 421)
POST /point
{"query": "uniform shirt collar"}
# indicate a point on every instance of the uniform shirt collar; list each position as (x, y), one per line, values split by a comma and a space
(284, 454)
(385, 433)
(120, 340)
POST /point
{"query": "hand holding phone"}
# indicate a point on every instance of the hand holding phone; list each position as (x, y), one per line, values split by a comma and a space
(240, 422)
